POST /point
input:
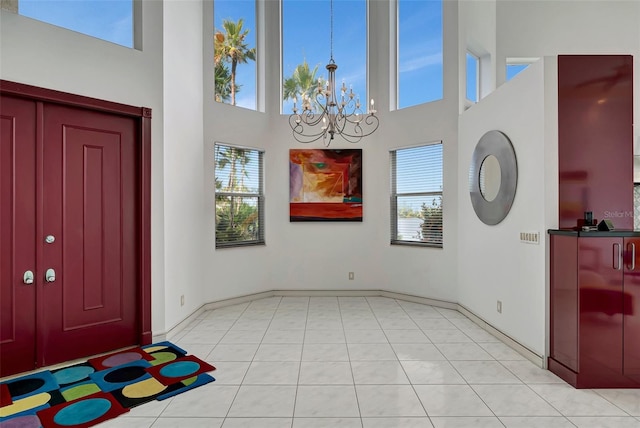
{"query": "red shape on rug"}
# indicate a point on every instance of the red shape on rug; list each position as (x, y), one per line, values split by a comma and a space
(178, 370)
(5, 395)
(119, 358)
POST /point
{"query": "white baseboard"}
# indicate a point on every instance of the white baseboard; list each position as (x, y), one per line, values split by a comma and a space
(512, 343)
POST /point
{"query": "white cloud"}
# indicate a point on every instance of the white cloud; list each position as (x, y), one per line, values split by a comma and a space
(420, 62)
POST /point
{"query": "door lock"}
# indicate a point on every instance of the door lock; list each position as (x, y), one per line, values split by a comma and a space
(27, 278)
(50, 275)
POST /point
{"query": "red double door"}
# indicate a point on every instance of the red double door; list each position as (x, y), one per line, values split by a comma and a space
(68, 233)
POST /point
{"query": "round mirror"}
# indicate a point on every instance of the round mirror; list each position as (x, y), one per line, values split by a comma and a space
(490, 178)
(493, 177)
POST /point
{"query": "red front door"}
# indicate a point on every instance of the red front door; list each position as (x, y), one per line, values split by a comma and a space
(89, 208)
(70, 214)
(17, 235)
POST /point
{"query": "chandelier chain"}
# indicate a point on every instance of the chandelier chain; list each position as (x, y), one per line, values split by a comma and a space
(331, 32)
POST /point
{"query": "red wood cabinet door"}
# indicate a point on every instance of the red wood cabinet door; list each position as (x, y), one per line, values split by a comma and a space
(600, 278)
(17, 234)
(90, 207)
(632, 309)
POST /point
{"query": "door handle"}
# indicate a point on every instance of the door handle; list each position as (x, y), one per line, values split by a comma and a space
(633, 256)
(50, 275)
(617, 255)
(27, 278)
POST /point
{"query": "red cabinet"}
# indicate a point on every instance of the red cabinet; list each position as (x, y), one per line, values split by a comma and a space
(594, 296)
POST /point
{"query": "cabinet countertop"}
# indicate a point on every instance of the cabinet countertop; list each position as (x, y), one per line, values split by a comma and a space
(595, 233)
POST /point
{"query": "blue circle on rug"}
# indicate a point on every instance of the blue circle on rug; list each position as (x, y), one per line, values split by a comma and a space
(73, 374)
(179, 369)
(82, 412)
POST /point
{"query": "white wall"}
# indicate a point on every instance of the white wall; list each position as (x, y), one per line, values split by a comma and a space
(39, 54)
(477, 33)
(184, 206)
(530, 28)
(318, 256)
(493, 265)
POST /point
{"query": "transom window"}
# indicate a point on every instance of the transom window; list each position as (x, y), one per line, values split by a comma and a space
(420, 67)
(472, 77)
(239, 196)
(306, 48)
(235, 52)
(107, 20)
(416, 195)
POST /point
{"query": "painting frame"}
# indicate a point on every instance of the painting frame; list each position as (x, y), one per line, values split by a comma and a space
(325, 185)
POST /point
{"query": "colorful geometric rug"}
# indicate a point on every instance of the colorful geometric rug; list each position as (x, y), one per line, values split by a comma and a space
(102, 388)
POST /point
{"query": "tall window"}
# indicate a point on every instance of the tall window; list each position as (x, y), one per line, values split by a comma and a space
(107, 20)
(420, 67)
(235, 52)
(416, 195)
(306, 47)
(239, 196)
(473, 77)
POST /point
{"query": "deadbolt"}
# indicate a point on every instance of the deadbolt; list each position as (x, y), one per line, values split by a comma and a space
(50, 239)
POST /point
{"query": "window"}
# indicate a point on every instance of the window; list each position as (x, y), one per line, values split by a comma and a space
(239, 196)
(306, 48)
(235, 52)
(419, 58)
(416, 195)
(107, 20)
(473, 78)
(516, 65)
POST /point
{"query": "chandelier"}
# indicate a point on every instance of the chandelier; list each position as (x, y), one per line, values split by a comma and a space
(328, 114)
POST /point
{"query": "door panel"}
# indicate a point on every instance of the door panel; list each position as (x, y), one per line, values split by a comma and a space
(17, 234)
(90, 207)
(632, 309)
(600, 276)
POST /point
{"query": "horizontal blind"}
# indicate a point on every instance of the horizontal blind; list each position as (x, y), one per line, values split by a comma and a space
(239, 196)
(416, 195)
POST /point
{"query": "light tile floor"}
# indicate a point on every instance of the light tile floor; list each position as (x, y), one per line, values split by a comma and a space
(300, 362)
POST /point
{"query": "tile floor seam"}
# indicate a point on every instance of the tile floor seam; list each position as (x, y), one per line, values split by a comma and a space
(295, 397)
(235, 396)
(355, 390)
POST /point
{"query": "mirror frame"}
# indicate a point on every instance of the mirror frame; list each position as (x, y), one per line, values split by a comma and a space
(497, 144)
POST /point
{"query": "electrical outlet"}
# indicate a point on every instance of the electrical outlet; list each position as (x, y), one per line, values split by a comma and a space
(182, 300)
(530, 237)
(351, 276)
(499, 307)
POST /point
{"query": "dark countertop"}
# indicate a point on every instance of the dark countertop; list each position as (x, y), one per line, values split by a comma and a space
(595, 233)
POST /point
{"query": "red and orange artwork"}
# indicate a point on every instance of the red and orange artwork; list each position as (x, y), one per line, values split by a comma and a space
(325, 185)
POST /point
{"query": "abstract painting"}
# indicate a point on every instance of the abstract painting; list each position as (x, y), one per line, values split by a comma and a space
(325, 185)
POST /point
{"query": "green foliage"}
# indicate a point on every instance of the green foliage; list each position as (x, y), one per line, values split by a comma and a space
(431, 227)
(237, 217)
(303, 83)
(407, 212)
(230, 48)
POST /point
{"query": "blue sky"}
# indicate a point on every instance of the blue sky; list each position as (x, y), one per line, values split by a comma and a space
(105, 19)
(305, 37)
